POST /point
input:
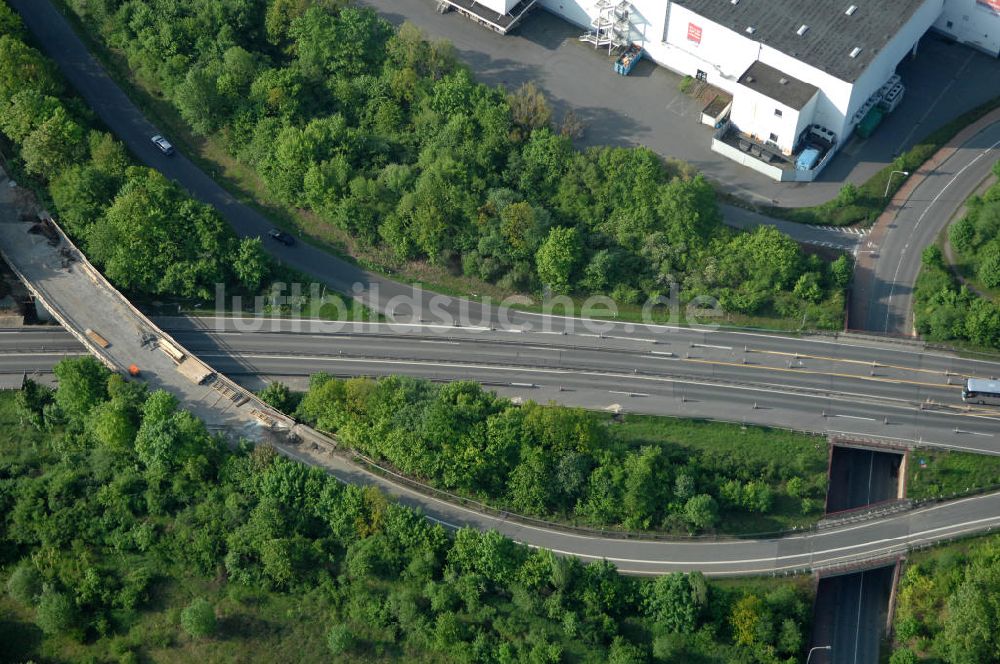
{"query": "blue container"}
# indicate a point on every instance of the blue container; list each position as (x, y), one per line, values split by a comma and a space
(807, 159)
(626, 61)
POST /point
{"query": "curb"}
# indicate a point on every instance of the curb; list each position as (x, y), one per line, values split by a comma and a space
(866, 261)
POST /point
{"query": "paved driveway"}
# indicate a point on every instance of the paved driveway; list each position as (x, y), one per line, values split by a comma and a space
(646, 107)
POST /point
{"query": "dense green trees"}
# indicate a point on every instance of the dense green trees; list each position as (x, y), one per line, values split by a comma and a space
(944, 309)
(558, 258)
(56, 613)
(537, 460)
(948, 609)
(143, 231)
(153, 239)
(386, 136)
(91, 535)
(25, 584)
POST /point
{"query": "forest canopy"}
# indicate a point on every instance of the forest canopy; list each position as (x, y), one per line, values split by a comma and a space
(947, 308)
(145, 233)
(385, 135)
(127, 529)
(563, 463)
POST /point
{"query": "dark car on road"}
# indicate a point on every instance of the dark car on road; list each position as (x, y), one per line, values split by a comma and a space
(163, 144)
(281, 236)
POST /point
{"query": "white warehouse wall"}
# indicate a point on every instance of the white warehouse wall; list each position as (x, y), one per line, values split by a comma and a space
(648, 17)
(834, 94)
(499, 6)
(753, 113)
(663, 29)
(722, 54)
(884, 64)
(807, 115)
(574, 11)
(725, 55)
(973, 22)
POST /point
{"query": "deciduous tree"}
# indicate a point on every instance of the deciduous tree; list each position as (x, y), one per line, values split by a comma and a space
(558, 258)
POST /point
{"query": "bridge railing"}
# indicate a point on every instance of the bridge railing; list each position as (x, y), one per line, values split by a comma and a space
(329, 443)
(100, 281)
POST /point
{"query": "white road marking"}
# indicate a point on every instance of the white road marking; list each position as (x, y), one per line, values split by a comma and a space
(892, 288)
(889, 545)
(974, 433)
(846, 341)
(769, 388)
(857, 627)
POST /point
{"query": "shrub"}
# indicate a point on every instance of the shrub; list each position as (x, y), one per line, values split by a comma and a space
(198, 618)
(339, 639)
(24, 584)
(903, 656)
(56, 613)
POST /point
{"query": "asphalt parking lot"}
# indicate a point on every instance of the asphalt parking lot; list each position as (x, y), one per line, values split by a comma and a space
(646, 108)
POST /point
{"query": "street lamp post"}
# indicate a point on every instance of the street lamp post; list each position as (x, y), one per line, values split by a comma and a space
(812, 650)
(889, 182)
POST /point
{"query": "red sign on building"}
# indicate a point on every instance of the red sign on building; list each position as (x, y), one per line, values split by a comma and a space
(992, 5)
(694, 33)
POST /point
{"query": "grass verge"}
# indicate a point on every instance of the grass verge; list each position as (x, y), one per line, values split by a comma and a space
(944, 474)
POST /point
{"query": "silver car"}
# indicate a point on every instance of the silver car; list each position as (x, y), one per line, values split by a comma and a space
(163, 144)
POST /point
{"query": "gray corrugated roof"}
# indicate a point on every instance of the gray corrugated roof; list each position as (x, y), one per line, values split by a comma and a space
(778, 85)
(831, 36)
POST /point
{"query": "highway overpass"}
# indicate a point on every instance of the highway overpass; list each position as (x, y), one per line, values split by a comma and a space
(871, 387)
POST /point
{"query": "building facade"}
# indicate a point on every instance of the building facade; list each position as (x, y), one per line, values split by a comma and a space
(802, 74)
(972, 22)
(790, 65)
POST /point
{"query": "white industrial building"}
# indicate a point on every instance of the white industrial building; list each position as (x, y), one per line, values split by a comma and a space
(973, 22)
(797, 76)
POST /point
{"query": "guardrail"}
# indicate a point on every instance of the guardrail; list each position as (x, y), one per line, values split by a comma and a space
(72, 252)
(328, 442)
(102, 282)
(865, 513)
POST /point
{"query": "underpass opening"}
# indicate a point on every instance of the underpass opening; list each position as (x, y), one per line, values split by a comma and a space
(850, 615)
(863, 477)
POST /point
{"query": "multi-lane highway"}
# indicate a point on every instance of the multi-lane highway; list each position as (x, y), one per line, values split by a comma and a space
(861, 387)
